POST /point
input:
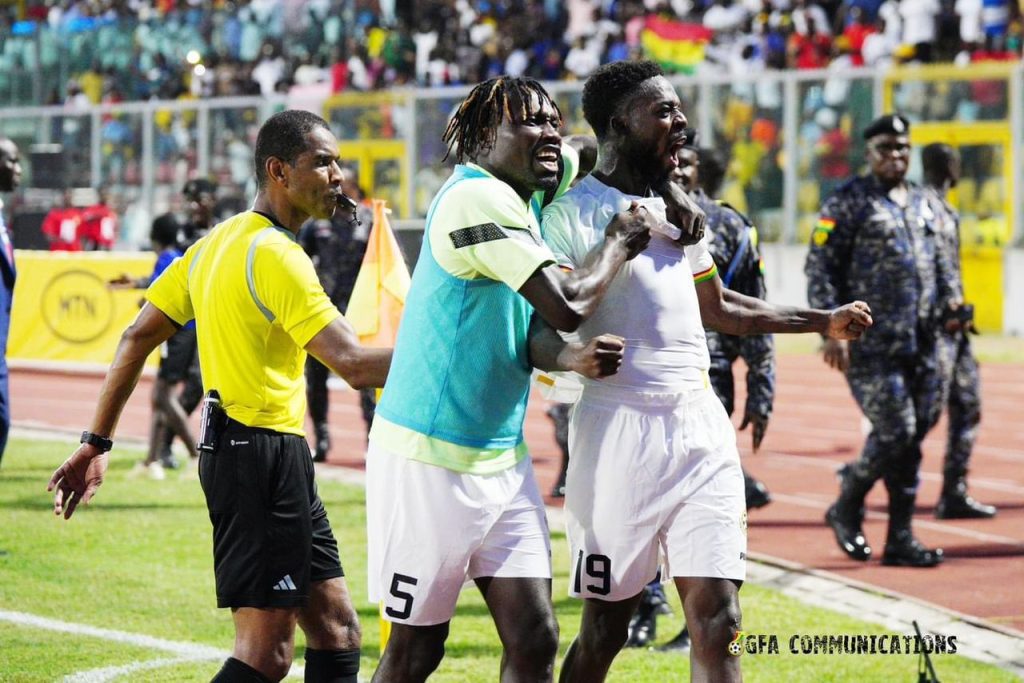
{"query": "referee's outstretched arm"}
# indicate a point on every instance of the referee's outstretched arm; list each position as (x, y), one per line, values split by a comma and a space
(81, 474)
(338, 347)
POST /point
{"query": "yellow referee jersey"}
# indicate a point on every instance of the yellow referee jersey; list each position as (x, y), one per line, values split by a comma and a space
(257, 302)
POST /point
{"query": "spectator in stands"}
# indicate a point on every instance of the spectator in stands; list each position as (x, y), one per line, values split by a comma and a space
(804, 13)
(919, 26)
(878, 47)
(811, 48)
(856, 31)
(10, 178)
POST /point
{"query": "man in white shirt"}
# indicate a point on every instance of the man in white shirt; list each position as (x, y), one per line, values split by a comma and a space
(653, 462)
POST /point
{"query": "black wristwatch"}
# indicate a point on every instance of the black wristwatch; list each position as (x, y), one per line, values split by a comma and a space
(100, 442)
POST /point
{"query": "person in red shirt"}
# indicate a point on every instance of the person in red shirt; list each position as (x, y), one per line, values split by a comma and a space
(99, 224)
(810, 50)
(855, 32)
(62, 226)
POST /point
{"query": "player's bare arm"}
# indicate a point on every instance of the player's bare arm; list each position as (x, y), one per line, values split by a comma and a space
(565, 298)
(338, 347)
(77, 480)
(599, 357)
(733, 313)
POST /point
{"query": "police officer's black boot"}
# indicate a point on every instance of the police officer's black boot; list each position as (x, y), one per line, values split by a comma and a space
(846, 516)
(643, 627)
(901, 548)
(756, 492)
(681, 643)
(323, 441)
(954, 503)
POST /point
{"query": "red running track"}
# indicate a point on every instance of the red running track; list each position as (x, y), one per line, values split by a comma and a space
(816, 427)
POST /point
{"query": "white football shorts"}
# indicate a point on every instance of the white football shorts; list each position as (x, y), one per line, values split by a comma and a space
(430, 529)
(650, 472)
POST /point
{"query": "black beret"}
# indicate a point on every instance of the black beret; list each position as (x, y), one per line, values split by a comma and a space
(890, 124)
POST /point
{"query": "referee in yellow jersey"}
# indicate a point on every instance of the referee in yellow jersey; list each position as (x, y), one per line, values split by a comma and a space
(259, 308)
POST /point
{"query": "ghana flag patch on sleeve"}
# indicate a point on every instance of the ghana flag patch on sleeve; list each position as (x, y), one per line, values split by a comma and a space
(704, 275)
(822, 230)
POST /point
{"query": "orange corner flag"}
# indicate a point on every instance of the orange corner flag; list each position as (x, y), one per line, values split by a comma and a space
(378, 297)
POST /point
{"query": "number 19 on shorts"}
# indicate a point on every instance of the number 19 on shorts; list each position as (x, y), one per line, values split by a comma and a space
(597, 568)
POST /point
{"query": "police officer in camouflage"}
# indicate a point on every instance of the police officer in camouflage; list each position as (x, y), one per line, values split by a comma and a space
(941, 165)
(734, 246)
(875, 241)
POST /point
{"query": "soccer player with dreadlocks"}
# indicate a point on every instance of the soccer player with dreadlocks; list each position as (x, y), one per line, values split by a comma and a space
(450, 489)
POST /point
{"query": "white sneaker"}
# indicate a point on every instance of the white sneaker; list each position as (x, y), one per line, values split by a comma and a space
(138, 471)
(155, 471)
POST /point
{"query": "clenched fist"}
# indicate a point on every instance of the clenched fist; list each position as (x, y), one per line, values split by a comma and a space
(599, 357)
(849, 322)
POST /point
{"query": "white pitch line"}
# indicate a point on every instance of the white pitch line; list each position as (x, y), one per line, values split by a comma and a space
(186, 652)
(112, 673)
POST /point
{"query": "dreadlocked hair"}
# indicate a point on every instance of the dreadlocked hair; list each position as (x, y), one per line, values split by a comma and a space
(473, 128)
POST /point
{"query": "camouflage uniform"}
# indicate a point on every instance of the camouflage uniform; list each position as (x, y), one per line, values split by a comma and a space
(867, 247)
(728, 231)
(960, 368)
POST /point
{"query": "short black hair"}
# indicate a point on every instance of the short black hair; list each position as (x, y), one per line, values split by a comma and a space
(283, 136)
(473, 128)
(935, 156)
(197, 186)
(609, 86)
(165, 230)
(713, 165)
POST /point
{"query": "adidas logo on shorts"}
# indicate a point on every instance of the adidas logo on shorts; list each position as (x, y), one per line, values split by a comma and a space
(285, 584)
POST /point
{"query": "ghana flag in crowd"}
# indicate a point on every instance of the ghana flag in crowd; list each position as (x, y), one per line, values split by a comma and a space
(675, 45)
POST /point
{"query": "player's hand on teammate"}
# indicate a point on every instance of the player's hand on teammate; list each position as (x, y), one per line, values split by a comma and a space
(599, 357)
(759, 427)
(849, 322)
(77, 479)
(634, 227)
(836, 354)
(682, 211)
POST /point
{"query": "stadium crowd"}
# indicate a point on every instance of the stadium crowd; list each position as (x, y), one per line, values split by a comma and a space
(114, 50)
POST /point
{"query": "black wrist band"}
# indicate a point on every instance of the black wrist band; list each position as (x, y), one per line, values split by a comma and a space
(100, 442)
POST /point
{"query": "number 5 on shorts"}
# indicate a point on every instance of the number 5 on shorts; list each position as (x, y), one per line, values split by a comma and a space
(598, 567)
(405, 597)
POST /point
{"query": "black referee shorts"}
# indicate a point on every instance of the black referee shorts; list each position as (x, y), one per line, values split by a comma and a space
(177, 355)
(271, 536)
